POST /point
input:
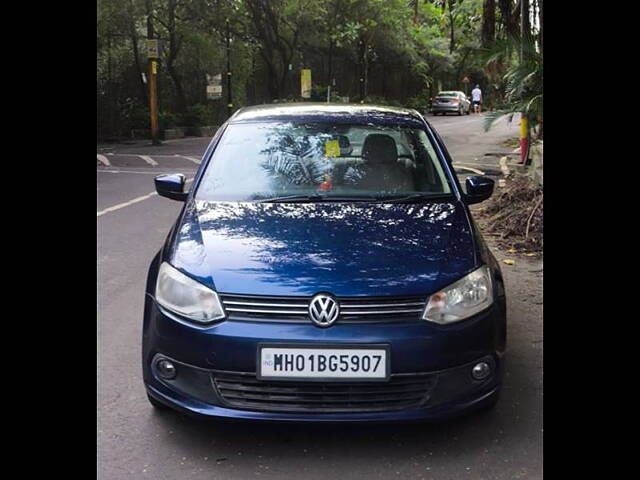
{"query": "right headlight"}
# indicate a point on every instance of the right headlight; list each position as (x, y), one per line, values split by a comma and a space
(462, 299)
(183, 295)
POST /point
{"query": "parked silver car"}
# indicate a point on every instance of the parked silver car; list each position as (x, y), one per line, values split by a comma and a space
(451, 101)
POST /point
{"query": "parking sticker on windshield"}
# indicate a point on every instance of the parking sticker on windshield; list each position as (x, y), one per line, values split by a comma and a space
(332, 148)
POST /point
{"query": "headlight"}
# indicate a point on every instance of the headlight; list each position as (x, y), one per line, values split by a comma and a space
(184, 296)
(461, 299)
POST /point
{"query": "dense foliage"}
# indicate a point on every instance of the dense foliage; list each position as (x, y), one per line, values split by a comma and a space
(385, 51)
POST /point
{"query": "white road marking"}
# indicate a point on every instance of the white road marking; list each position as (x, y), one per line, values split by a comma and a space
(477, 164)
(154, 172)
(477, 172)
(126, 204)
(138, 155)
(104, 160)
(149, 160)
(193, 159)
(131, 202)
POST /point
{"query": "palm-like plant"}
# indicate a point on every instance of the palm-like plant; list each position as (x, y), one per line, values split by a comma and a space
(522, 81)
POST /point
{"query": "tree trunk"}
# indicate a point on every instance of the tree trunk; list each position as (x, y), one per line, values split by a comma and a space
(366, 69)
(488, 23)
(363, 56)
(515, 18)
(452, 42)
(452, 25)
(330, 72)
(174, 48)
(144, 96)
(509, 21)
(272, 77)
(181, 100)
(525, 25)
(269, 28)
(461, 66)
(133, 35)
(540, 33)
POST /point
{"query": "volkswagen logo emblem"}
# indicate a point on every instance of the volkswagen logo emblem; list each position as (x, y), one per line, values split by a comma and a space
(323, 310)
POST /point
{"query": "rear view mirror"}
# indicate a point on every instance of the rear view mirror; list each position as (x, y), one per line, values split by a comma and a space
(171, 186)
(479, 188)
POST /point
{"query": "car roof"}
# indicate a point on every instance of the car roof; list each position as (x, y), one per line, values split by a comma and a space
(329, 112)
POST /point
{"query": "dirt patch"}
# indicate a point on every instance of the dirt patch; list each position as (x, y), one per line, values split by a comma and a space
(514, 215)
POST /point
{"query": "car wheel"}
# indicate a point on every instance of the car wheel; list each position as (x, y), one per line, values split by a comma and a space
(156, 403)
(460, 110)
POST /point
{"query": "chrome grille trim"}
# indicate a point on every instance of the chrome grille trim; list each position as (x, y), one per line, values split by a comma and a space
(295, 309)
(360, 305)
(252, 310)
(253, 304)
(379, 312)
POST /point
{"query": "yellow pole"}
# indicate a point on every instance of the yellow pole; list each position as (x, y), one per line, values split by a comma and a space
(524, 138)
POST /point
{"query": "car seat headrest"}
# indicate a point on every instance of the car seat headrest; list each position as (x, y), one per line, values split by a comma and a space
(380, 148)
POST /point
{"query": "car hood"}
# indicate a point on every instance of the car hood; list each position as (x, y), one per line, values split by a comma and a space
(347, 249)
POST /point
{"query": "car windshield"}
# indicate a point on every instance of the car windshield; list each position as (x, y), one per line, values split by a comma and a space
(448, 94)
(268, 161)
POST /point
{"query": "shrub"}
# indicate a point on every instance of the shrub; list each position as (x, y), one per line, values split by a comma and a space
(419, 102)
(167, 120)
(139, 118)
(380, 100)
(198, 115)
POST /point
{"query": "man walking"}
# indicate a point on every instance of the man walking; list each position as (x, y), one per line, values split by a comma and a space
(476, 97)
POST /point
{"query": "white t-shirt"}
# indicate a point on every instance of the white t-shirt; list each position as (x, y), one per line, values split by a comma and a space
(475, 94)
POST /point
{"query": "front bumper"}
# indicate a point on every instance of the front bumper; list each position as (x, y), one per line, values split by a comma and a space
(443, 353)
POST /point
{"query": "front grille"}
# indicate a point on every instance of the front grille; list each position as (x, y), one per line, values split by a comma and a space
(245, 391)
(294, 309)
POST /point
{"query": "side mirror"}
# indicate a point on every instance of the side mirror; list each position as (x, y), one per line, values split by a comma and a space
(171, 186)
(479, 188)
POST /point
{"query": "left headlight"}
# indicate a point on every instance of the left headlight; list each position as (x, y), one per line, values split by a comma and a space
(462, 299)
(183, 295)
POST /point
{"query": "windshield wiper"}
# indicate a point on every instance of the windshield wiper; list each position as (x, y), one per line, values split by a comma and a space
(319, 198)
(292, 198)
(418, 197)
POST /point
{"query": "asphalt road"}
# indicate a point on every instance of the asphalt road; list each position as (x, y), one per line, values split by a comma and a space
(135, 441)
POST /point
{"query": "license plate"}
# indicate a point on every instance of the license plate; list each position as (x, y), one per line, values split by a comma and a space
(336, 363)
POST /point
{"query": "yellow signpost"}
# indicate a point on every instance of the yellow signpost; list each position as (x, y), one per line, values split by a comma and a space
(152, 48)
(305, 83)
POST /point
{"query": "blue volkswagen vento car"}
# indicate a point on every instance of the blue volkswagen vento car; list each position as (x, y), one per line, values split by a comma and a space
(324, 267)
